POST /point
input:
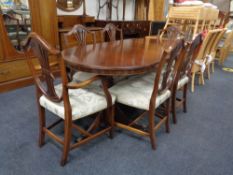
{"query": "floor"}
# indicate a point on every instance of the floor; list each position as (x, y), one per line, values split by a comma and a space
(200, 144)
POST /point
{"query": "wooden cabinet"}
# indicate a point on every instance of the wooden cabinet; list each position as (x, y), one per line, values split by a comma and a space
(14, 72)
(131, 29)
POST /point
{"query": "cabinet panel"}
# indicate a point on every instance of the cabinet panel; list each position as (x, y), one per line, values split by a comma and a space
(14, 70)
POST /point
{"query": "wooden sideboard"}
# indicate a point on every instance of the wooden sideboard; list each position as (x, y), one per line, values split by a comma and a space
(131, 29)
(14, 72)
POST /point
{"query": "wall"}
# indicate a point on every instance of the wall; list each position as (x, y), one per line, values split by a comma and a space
(92, 10)
(231, 6)
(223, 5)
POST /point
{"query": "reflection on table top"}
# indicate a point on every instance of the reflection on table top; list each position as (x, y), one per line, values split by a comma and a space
(130, 56)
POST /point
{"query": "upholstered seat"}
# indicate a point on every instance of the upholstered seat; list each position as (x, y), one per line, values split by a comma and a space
(184, 80)
(83, 102)
(136, 92)
(151, 77)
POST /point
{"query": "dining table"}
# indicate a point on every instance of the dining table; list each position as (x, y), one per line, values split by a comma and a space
(116, 58)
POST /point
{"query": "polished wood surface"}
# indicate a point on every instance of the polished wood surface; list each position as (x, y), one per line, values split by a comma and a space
(65, 21)
(131, 56)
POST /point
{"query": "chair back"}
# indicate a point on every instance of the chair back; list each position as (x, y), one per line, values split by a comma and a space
(166, 70)
(186, 60)
(209, 43)
(79, 32)
(224, 18)
(45, 79)
(191, 52)
(216, 41)
(111, 31)
(228, 40)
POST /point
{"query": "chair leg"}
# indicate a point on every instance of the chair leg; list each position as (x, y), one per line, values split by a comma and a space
(208, 71)
(202, 78)
(151, 130)
(174, 108)
(112, 122)
(67, 139)
(193, 81)
(185, 89)
(167, 124)
(41, 125)
(213, 66)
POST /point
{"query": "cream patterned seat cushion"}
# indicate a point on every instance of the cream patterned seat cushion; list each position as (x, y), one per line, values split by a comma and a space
(83, 102)
(184, 80)
(136, 92)
(151, 77)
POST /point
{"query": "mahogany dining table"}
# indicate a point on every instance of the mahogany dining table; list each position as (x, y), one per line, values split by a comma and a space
(117, 58)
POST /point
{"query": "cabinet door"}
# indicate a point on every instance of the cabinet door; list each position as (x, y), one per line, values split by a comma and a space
(45, 22)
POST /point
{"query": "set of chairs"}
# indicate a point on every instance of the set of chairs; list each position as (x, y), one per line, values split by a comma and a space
(211, 50)
(80, 97)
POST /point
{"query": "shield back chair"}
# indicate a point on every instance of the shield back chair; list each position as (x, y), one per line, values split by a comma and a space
(148, 95)
(69, 101)
(112, 32)
(224, 47)
(184, 75)
(79, 34)
(201, 61)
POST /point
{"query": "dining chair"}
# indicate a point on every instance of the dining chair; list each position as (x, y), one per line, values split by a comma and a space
(223, 19)
(183, 75)
(79, 33)
(224, 47)
(112, 32)
(69, 101)
(148, 95)
(212, 54)
(204, 57)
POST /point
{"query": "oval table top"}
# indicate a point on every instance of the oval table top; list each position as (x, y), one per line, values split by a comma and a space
(126, 57)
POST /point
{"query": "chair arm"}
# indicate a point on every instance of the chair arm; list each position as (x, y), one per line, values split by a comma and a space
(74, 85)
